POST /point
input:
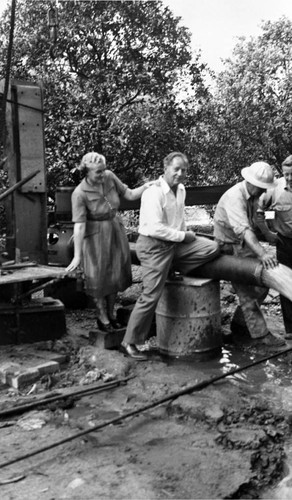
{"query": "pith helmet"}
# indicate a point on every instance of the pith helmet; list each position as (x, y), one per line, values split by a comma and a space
(259, 174)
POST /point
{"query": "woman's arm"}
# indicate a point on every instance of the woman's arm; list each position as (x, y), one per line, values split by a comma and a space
(79, 232)
(136, 193)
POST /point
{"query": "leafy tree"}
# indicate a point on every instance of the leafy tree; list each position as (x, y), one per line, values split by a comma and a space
(253, 101)
(112, 83)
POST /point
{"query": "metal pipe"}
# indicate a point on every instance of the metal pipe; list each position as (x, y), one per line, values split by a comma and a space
(231, 268)
(247, 271)
(153, 404)
(224, 267)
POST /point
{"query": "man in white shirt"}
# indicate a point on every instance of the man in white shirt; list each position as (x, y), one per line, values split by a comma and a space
(163, 242)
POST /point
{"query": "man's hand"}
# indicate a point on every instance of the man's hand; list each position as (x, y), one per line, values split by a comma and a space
(189, 237)
(268, 260)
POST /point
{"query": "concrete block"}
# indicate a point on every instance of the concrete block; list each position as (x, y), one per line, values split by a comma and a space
(28, 376)
(61, 359)
(104, 340)
(48, 367)
(7, 369)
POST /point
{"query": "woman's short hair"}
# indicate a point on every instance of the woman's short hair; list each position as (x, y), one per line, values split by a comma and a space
(168, 159)
(89, 160)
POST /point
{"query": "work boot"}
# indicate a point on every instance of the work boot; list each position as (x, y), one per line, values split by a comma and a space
(271, 340)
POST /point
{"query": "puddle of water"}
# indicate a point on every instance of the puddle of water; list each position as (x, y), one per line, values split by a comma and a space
(229, 359)
(277, 370)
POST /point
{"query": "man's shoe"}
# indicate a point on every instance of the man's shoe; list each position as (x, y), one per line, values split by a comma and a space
(132, 351)
(272, 340)
(288, 336)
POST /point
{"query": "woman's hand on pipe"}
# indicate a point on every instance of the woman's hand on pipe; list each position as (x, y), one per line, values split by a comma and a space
(74, 264)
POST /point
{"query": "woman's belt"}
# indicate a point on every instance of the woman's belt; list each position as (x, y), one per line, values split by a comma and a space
(99, 217)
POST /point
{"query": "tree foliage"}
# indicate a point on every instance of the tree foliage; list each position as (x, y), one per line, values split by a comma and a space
(123, 81)
(253, 101)
(112, 84)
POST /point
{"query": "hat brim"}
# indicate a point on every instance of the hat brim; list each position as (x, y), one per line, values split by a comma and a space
(245, 172)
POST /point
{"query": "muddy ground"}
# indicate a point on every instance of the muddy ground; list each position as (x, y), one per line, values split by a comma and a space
(224, 441)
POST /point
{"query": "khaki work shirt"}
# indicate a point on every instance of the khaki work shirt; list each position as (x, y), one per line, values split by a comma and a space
(234, 214)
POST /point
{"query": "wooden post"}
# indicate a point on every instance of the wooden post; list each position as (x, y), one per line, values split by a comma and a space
(26, 208)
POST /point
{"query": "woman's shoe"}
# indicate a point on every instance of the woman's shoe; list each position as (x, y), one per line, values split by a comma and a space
(104, 327)
(115, 324)
(132, 351)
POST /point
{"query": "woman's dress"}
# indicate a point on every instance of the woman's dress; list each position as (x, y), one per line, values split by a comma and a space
(106, 252)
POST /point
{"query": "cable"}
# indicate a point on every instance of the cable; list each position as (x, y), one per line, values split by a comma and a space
(71, 394)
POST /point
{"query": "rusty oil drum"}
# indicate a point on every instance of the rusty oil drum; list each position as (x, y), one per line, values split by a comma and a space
(188, 319)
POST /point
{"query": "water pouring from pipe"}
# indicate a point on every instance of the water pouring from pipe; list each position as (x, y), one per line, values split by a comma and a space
(279, 278)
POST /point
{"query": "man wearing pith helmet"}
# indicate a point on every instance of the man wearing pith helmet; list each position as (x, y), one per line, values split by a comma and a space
(234, 230)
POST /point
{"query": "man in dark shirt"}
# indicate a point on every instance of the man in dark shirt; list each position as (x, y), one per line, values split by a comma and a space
(279, 200)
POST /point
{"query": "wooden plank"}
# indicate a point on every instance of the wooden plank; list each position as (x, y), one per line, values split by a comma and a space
(33, 273)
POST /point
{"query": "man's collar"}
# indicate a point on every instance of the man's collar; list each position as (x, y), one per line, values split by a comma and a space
(166, 187)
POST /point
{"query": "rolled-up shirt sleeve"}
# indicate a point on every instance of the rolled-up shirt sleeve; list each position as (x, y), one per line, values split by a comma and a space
(153, 218)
